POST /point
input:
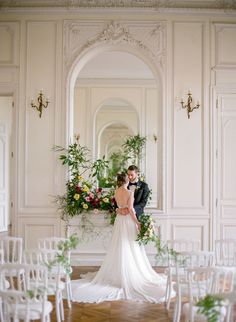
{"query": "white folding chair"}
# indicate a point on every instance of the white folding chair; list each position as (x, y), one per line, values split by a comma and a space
(54, 243)
(12, 249)
(173, 248)
(26, 298)
(178, 275)
(225, 252)
(185, 259)
(48, 258)
(55, 282)
(203, 281)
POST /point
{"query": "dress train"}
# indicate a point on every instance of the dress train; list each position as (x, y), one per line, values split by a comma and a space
(126, 273)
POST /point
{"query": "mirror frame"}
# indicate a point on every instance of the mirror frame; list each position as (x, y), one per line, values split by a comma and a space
(81, 60)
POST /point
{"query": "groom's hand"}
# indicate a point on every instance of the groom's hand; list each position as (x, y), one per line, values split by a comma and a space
(122, 211)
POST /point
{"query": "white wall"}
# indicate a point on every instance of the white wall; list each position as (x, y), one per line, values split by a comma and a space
(192, 163)
(5, 161)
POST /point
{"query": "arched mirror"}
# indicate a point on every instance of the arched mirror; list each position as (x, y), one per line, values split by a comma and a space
(115, 96)
(115, 121)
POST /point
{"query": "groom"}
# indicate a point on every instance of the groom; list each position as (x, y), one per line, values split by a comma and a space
(140, 189)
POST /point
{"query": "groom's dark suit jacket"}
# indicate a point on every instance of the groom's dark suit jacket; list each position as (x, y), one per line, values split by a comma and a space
(141, 194)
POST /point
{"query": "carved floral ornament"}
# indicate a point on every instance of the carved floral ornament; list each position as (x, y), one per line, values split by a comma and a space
(147, 37)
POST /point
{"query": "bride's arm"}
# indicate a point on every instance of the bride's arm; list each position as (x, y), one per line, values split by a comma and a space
(131, 209)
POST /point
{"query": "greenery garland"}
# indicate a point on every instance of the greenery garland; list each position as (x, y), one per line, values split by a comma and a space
(210, 306)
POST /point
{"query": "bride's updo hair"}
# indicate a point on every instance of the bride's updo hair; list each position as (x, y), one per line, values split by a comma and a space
(122, 178)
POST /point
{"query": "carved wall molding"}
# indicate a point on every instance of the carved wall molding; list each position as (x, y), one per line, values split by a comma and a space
(123, 4)
(223, 56)
(11, 42)
(149, 38)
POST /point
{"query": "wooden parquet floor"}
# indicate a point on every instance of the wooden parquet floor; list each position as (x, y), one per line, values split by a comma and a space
(114, 311)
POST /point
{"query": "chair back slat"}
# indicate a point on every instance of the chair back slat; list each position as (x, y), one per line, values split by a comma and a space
(12, 249)
(225, 252)
(181, 245)
(50, 242)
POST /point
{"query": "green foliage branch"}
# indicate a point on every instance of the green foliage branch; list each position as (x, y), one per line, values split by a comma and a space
(210, 306)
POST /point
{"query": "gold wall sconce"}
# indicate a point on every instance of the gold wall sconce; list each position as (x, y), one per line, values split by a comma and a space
(188, 105)
(41, 104)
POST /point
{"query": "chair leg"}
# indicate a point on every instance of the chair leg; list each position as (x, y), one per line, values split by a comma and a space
(62, 309)
(168, 293)
(58, 314)
(70, 290)
(228, 314)
(1, 312)
(177, 309)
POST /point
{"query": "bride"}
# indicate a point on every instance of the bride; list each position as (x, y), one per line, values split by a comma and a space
(126, 272)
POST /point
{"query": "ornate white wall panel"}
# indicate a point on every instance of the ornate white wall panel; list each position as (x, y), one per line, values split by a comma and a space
(228, 148)
(228, 229)
(188, 174)
(7, 75)
(152, 116)
(4, 179)
(193, 229)
(229, 158)
(225, 45)
(32, 228)
(39, 140)
(228, 212)
(9, 40)
(225, 76)
(226, 133)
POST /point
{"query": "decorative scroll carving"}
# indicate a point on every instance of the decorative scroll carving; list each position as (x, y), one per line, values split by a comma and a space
(146, 37)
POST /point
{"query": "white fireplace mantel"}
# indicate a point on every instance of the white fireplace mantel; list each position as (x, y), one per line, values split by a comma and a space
(94, 238)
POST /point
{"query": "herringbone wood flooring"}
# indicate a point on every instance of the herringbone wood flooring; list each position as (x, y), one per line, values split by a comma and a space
(115, 311)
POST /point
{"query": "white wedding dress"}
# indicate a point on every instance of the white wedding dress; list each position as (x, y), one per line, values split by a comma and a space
(126, 273)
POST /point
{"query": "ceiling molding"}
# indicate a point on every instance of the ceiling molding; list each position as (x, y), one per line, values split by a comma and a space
(226, 6)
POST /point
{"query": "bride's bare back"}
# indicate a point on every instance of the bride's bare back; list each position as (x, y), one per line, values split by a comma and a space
(124, 198)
